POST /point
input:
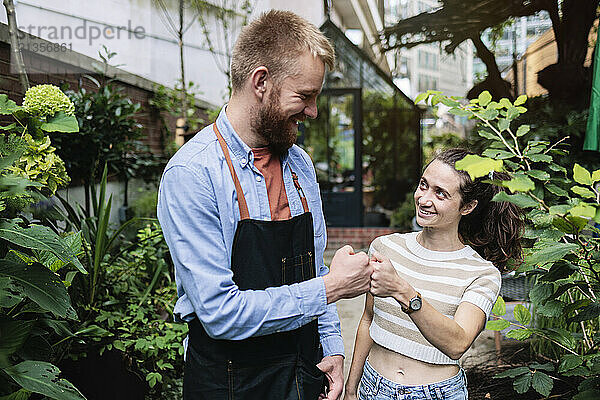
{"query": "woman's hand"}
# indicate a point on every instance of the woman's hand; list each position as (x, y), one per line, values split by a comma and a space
(350, 396)
(385, 281)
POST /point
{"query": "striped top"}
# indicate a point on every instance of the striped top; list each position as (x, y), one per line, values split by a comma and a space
(444, 278)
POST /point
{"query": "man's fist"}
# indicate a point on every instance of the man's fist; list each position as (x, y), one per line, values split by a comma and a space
(349, 275)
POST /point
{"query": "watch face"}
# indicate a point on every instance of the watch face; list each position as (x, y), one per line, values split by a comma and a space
(415, 304)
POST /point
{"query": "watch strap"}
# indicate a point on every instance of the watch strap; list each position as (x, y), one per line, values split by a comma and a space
(409, 310)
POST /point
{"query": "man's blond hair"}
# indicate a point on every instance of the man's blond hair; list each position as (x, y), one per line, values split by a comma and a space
(276, 40)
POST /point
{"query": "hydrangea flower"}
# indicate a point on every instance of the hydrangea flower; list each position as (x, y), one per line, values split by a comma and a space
(46, 101)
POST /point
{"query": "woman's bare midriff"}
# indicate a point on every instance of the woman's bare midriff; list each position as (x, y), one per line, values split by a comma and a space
(408, 371)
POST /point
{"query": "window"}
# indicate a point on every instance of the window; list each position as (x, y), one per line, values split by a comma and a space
(428, 60)
(427, 82)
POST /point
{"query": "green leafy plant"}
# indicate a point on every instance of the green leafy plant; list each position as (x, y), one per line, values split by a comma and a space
(562, 209)
(137, 296)
(109, 134)
(36, 264)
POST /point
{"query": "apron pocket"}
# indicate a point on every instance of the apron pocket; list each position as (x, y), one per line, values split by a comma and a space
(203, 379)
(270, 379)
(298, 268)
(310, 380)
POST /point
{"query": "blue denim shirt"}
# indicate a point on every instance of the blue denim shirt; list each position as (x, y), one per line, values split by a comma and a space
(198, 212)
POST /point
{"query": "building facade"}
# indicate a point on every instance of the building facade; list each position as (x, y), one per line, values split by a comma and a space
(513, 42)
(428, 66)
(143, 33)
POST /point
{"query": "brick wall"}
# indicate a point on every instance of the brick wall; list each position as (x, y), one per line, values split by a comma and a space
(42, 69)
(358, 238)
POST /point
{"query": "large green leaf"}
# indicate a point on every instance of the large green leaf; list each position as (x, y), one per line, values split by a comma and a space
(512, 373)
(551, 309)
(460, 112)
(42, 238)
(562, 336)
(537, 174)
(540, 292)
(499, 307)
(549, 251)
(42, 377)
(560, 270)
(591, 311)
(552, 188)
(522, 130)
(497, 325)
(49, 259)
(568, 362)
(484, 98)
(497, 154)
(521, 100)
(582, 175)
(542, 383)
(7, 106)
(10, 293)
(13, 333)
(583, 210)
(583, 192)
(590, 394)
(503, 124)
(488, 135)
(39, 284)
(489, 114)
(518, 199)
(519, 183)
(522, 383)
(478, 166)
(519, 334)
(61, 122)
(539, 158)
(522, 314)
(571, 226)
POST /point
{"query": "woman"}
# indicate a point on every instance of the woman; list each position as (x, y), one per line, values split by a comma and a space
(432, 291)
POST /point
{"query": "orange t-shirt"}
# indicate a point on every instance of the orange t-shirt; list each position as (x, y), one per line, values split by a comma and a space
(270, 167)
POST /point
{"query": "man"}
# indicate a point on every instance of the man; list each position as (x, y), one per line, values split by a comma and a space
(241, 212)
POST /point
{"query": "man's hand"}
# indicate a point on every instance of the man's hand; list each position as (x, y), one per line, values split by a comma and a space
(349, 275)
(333, 367)
(385, 281)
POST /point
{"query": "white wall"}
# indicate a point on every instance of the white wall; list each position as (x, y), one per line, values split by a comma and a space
(144, 47)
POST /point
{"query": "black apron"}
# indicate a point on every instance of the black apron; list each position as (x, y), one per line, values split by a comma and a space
(276, 366)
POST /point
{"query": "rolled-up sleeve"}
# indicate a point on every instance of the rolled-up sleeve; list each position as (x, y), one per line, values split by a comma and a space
(188, 212)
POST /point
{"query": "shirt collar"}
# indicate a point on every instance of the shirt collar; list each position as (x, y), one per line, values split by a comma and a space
(237, 146)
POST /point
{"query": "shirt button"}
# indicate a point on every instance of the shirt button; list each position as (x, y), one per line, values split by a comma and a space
(243, 163)
(258, 179)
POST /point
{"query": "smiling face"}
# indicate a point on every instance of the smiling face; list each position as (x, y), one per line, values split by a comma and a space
(438, 200)
(290, 101)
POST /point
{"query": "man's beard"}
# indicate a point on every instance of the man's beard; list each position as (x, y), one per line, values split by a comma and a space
(274, 127)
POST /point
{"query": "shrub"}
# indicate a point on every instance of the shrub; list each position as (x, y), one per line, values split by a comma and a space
(563, 210)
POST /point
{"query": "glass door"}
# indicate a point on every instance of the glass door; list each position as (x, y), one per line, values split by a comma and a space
(333, 140)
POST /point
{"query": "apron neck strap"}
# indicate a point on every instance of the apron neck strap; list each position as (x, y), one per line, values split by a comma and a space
(300, 191)
(244, 214)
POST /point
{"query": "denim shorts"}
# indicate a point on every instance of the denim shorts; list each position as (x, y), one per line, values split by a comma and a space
(375, 387)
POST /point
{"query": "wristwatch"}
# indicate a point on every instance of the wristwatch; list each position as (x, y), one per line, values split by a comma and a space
(414, 304)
